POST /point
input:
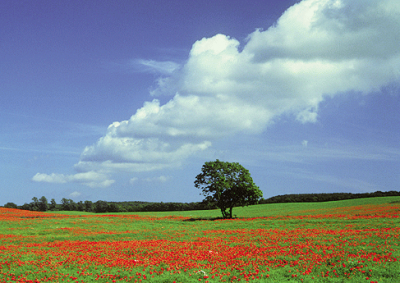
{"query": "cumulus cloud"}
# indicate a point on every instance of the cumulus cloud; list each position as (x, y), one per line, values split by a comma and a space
(91, 179)
(52, 178)
(317, 49)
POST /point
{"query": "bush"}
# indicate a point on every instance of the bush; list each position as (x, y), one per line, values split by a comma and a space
(10, 205)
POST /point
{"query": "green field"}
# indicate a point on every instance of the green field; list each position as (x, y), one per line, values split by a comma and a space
(343, 241)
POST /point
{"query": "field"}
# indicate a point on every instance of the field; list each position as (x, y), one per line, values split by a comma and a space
(342, 241)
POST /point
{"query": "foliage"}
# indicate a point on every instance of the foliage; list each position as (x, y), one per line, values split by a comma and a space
(10, 205)
(326, 197)
(88, 206)
(53, 205)
(227, 185)
(43, 205)
(35, 204)
(140, 206)
(126, 206)
(101, 206)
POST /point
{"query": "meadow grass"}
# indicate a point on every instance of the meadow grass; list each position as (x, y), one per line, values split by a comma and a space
(342, 241)
(259, 210)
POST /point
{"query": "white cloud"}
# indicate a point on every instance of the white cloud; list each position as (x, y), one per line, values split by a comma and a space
(160, 67)
(304, 143)
(90, 178)
(75, 194)
(331, 30)
(318, 48)
(160, 179)
(115, 151)
(52, 178)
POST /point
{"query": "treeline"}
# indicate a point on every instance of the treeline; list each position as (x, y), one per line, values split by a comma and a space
(99, 206)
(42, 204)
(326, 197)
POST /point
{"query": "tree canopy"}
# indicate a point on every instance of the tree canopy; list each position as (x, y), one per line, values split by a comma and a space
(227, 185)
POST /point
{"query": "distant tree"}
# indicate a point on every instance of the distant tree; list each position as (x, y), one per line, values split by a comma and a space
(100, 206)
(227, 185)
(88, 206)
(34, 205)
(73, 205)
(43, 205)
(113, 207)
(80, 206)
(10, 205)
(121, 208)
(25, 206)
(53, 204)
(64, 204)
(68, 204)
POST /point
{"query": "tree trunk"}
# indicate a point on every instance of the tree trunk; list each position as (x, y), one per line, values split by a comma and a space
(230, 212)
(224, 214)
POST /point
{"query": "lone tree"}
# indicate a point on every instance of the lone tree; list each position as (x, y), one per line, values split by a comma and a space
(227, 185)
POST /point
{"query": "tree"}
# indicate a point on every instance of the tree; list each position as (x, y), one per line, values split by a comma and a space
(100, 206)
(53, 204)
(43, 205)
(10, 205)
(227, 185)
(68, 204)
(113, 207)
(25, 206)
(34, 205)
(80, 206)
(64, 204)
(88, 206)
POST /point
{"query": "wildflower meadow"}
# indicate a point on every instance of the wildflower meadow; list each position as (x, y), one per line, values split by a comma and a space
(342, 241)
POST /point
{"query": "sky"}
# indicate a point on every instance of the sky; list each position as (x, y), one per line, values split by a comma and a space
(126, 100)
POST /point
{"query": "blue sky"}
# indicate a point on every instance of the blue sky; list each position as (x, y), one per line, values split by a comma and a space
(126, 100)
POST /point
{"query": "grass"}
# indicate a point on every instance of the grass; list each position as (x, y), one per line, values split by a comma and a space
(260, 210)
(343, 241)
